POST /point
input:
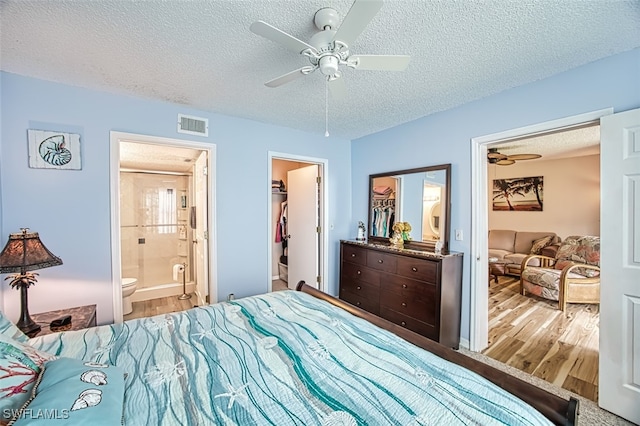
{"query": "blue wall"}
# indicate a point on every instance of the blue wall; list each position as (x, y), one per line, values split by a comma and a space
(71, 209)
(445, 137)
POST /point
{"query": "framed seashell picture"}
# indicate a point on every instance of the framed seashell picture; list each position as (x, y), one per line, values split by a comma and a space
(54, 150)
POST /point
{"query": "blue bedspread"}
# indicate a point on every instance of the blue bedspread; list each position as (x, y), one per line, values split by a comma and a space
(284, 358)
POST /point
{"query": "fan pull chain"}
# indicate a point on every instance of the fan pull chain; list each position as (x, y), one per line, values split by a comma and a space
(326, 109)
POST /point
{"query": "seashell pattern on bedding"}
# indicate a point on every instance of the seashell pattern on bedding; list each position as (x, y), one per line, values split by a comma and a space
(283, 358)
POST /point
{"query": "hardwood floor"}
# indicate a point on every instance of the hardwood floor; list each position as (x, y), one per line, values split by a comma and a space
(167, 305)
(278, 285)
(163, 305)
(534, 336)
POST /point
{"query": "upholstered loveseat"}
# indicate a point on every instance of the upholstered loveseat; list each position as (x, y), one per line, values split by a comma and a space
(511, 247)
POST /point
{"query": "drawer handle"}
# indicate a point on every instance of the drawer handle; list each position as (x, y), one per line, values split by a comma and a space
(358, 288)
(359, 272)
(357, 303)
(403, 323)
(353, 255)
(414, 269)
(404, 286)
(379, 260)
(404, 305)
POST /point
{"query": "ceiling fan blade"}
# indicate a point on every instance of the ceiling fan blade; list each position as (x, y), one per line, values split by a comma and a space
(274, 34)
(496, 156)
(519, 157)
(505, 162)
(381, 62)
(290, 76)
(337, 88)
(358, 17)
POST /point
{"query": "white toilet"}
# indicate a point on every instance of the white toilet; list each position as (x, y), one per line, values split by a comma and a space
(128, 288)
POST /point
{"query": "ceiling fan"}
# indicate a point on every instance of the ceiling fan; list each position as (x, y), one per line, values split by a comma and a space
(494, 157)
(328, 49)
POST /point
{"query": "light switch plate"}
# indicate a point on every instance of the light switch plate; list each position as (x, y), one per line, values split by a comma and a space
(458, 234)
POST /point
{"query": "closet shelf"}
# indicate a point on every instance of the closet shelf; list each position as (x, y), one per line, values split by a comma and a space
(278, 193)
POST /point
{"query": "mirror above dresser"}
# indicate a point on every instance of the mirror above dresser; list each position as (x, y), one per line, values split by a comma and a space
(420, 196)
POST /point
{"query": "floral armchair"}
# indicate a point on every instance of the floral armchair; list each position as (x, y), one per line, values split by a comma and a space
(573, 276)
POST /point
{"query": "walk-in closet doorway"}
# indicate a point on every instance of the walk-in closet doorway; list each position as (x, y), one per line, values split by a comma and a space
(297, 221)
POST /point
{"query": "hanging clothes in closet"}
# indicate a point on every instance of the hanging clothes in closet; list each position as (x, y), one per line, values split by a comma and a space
(281, 231)
(382, 217)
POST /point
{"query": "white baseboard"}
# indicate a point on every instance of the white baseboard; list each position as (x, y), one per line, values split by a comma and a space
(464, 343)
(164, 290)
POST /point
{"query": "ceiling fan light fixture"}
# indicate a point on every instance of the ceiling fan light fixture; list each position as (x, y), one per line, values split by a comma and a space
(328, 49)
(505, 162)
(329, 65)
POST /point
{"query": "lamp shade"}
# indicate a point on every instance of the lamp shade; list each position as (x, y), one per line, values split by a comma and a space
(25, 252)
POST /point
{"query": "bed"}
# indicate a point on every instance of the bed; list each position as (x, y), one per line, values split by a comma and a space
(282, 358)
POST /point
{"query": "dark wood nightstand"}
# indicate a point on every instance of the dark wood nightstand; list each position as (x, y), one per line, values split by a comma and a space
(81, 317)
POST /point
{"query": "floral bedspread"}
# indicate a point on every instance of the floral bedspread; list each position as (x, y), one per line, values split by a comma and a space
(284, 358)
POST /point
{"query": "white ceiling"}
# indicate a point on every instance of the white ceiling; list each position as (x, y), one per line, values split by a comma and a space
(201, 53)
(575, 142)
(159, 158)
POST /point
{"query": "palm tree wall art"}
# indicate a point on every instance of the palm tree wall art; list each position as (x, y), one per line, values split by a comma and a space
(518, 194)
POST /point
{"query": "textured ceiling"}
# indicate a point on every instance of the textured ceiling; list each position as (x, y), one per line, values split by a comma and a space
(202, 54)
(583, 140)
(574, 142)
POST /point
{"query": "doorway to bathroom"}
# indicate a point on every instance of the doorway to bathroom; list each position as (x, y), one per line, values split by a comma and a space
(162, 225)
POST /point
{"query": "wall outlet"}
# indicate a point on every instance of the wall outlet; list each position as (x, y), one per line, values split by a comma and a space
(458, 234)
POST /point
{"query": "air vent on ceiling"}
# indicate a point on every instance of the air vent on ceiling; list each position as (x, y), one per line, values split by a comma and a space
(193, 125)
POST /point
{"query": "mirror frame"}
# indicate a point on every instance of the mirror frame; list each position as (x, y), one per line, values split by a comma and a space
(415, 244)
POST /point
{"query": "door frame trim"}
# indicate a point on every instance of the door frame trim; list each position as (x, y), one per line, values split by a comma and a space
(114, 188)
(323, 165)
(479, 293)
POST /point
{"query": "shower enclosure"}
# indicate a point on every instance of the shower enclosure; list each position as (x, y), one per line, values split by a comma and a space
(155, 232)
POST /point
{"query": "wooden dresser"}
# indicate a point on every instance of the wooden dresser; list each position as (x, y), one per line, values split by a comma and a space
(416, 289)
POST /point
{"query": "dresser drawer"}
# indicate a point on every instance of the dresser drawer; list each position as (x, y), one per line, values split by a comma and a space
(418, 269)
(412, 324)
(360, 273)
(419, 305)
(381, 261)
(370, 291)
(354, 254)
(369, 305)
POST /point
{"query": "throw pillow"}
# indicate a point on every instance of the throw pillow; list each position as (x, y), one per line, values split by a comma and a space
(584, 250)
(540, 243)
(10, 330)
(73, 392)
(20, 365)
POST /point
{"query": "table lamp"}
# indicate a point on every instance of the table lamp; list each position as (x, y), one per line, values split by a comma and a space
(25, 252)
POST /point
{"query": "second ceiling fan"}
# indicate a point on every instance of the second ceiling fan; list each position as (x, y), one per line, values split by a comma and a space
(495, 157)
(328, 49)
